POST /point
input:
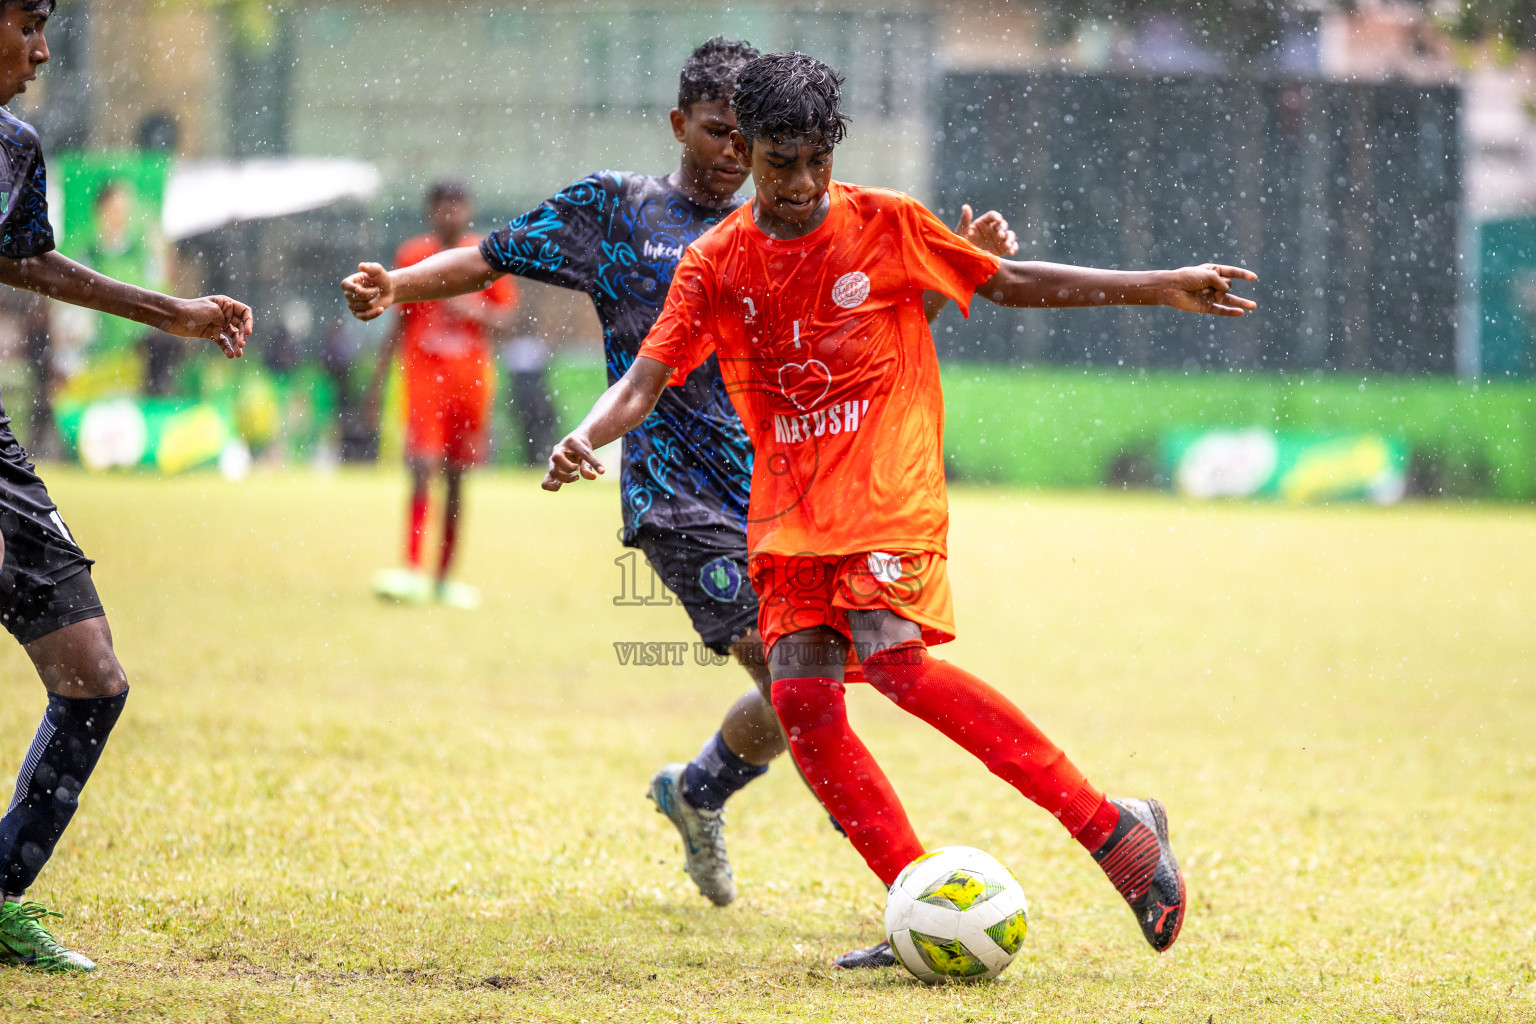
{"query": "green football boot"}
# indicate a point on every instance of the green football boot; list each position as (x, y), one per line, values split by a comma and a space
(406, 586)
(458, 595)
(25, 942)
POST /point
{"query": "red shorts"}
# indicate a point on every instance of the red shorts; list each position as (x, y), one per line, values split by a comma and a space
(448, 413)
(796, 592)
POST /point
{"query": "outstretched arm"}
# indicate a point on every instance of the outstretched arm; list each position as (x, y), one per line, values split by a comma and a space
(216, 318)
(621, 409)
(460, 271)
(1203, 289)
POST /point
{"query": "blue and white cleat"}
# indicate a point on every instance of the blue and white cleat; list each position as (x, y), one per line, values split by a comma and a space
(703, 835)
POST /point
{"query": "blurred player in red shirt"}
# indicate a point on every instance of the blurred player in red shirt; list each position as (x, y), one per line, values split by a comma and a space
(811, 296)
(449, 386)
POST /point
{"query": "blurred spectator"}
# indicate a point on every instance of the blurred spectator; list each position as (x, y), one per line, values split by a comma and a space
(290, 340)
(37, 348)
(125, 248)
(338, 353)
(163, 354)
(526, 358)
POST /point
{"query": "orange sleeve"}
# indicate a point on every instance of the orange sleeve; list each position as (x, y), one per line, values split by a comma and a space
(502, 292)
(684, 335)
(412, 251)
(939, 260)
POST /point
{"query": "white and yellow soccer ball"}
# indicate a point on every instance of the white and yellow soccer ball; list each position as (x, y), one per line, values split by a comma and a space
(956, 914)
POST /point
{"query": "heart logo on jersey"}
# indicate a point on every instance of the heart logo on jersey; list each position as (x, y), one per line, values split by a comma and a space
(805, 384)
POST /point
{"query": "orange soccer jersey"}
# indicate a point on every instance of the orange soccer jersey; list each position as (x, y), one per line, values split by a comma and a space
(827, 356)
(449, 372)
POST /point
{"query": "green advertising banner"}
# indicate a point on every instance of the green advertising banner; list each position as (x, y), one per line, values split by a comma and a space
(110, 221)
(169, 435)
(1297, 467)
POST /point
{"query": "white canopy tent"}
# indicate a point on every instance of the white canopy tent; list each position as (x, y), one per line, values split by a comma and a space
(204, 195)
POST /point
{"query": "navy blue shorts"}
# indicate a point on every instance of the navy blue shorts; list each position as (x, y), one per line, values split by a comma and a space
(707, 570)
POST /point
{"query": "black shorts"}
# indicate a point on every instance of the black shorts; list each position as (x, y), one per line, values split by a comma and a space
(707, 570)
(32, 610)
(45, 580)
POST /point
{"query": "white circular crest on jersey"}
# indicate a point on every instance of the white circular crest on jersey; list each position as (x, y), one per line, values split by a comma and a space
(883, 567)
(851, 289)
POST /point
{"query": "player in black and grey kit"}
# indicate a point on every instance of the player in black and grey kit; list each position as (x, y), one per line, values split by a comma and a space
(47, 600)
(618, 237)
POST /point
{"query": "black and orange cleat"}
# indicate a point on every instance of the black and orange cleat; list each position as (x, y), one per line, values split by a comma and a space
(1139, 861)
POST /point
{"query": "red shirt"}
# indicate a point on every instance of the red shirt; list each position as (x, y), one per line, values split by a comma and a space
(432, 332)
(827, 356)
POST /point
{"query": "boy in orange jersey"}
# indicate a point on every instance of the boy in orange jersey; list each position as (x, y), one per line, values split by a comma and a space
(449, 385)
(811, 296)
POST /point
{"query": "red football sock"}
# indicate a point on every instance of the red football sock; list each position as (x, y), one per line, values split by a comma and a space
(418, 527)
(987, 724)
(450, 539)
(844, 774)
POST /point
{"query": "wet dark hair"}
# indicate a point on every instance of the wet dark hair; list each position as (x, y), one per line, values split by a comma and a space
(709, 73)
(41, 6)
(789, 95)
(447, 190)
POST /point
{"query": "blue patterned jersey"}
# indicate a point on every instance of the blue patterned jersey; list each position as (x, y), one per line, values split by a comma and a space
(24, 227)
(618, 236)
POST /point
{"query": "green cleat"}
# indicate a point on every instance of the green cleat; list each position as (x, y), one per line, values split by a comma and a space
(25, 942)
(406, 586)
(458, 595)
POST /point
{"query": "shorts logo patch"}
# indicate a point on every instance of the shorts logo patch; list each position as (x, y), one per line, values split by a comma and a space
(721, 579)
(883, 567)
(851, 289)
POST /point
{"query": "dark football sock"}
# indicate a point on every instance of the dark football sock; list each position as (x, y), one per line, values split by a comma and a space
(711, 778)
(65, 751)
(450, 541)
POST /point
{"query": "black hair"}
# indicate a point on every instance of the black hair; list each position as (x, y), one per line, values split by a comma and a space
(447, 190)
(42, 6)
(789, 95)
(709, 73)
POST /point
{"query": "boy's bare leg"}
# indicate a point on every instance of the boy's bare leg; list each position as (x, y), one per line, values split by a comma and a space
(751, 729)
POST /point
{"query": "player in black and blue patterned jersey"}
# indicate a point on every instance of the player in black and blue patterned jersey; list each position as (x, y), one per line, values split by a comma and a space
(47, 599)
(618, 237)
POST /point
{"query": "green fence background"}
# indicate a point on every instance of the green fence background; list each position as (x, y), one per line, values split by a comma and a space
(1086, 428)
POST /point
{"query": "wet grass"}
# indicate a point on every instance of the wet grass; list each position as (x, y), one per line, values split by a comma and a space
(320, 808)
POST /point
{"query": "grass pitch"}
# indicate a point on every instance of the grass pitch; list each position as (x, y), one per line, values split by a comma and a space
(319, 807)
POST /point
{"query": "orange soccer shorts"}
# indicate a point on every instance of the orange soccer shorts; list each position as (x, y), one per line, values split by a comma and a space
(448, 412)
(796, 592)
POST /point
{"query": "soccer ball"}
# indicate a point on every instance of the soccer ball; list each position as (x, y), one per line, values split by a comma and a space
(956, 914)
